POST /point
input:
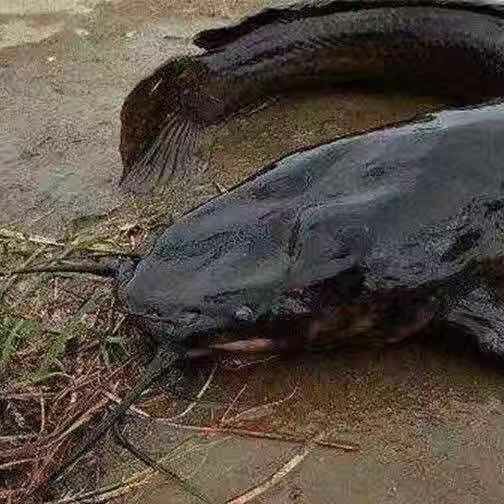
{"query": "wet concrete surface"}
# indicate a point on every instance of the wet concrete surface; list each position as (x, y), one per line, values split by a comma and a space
(429, 422)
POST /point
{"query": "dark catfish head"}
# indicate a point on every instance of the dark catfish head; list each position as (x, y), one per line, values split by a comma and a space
(248, 257)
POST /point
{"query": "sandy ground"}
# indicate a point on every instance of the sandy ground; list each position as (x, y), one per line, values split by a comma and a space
(430, 423)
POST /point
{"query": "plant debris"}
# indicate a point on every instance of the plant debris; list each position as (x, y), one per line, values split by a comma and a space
(63, 357)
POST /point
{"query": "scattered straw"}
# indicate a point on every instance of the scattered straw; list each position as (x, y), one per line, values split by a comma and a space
(78, 380)
(273, 480)
(198, 396)
(63, 376)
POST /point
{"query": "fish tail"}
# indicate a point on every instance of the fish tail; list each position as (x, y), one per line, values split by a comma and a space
(162, 125)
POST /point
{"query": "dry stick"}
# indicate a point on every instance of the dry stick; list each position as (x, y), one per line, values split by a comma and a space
(39, 240)
(8, 465)
(42, 415)
(251, 110)
(255, 362)
(15, 439)
(262, 406)
(108, 494)
(49, 242)
(220, 187)
(274, 436)
(56, 289)
(273, 480)
(83, 419)
(280, 474)
(117, 400)
(198, 397)
(103, 494)
(75, 386)
(119, 323)
(233, 402)
(27, 396)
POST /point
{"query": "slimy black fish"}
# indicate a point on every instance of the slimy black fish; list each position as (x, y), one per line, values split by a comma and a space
(450, 48)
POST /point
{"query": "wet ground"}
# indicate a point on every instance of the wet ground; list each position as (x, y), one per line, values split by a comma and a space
(429, 423)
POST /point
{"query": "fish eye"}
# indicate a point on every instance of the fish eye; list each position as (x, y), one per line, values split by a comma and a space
(244, 313)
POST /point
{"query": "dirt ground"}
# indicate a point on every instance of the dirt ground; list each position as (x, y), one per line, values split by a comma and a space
(429, 423)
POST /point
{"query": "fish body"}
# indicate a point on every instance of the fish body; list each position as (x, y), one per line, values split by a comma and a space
(401, 210)
(448, 48)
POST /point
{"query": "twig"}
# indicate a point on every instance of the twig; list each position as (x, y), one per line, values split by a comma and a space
(13, 463)
(118, 325)
(42, 414)
(75, 385)
(280, 474)
(273, 436)
(83, 419)
(103, 494)
(45, 242)
(134, 409)
(19, 437)
(198, 397)
(39, 240)
(26, 396)
(254, 362)
(273, 480)
(55, 289)
(262, 406)
(219, 187)
(233, 402)
(251, 110)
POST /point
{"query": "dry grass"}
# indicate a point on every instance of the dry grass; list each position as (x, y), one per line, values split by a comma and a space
(63, 355)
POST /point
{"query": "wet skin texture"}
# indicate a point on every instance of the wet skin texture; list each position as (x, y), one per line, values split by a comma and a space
(366, 239)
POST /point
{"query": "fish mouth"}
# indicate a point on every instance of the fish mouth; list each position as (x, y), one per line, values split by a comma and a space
(359, 325)
(375, 320)
(277, 336)
(241, 346)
